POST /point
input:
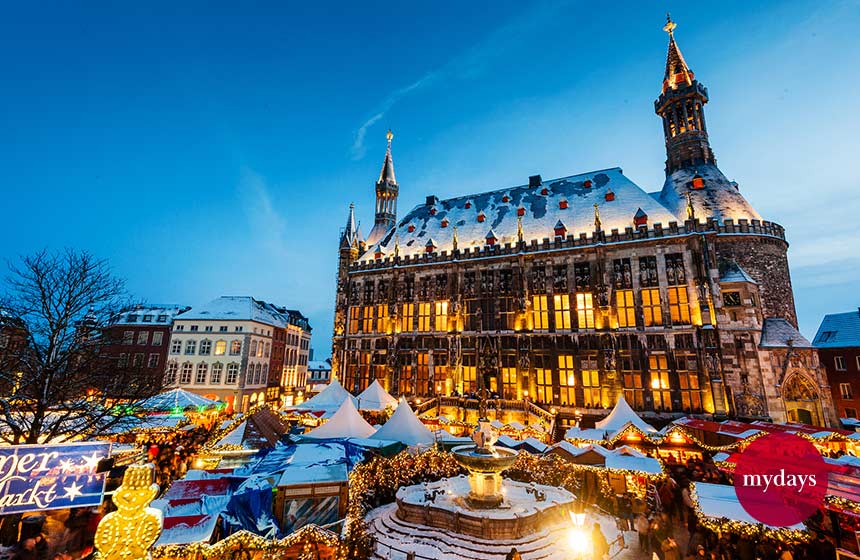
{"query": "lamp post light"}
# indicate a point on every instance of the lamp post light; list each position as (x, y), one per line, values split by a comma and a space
(578, 539)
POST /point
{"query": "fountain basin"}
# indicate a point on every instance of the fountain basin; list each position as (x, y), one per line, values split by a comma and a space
(485, 465)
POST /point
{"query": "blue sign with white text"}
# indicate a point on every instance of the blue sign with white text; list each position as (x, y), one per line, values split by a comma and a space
(40, 477)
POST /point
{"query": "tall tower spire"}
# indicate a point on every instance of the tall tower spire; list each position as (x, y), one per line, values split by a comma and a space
(681, 105)
(386, 198)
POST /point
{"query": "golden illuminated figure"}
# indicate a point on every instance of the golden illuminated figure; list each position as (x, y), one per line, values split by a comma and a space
(129, 532)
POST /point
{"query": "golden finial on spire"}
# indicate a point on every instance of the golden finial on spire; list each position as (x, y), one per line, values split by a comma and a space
(691, 211)
(390, 136)
(454, 241)
(597, 224)
(520, 229)
(670, 25)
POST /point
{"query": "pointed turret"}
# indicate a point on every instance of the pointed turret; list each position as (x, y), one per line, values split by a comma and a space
(690, 161)
(350, 232)
(386, 197)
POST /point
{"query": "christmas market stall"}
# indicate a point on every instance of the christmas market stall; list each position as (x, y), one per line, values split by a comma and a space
(375, 398)
(325, 402)
(406, 428)
(622, 426)
(240, 438)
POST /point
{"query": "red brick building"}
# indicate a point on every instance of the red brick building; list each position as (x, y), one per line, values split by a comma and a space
(838, 345)
(141, 336)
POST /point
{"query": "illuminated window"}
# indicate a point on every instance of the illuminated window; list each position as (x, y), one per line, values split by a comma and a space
(631, 375)
(585, 310)
(660, 382)
(470, 379)
(442, 316)
(215, 378)
(200, 376)
(364, 359)
(543, 380)
(170, 373)
(845, 391)
(540, 314)
(367, 322)
(185, 376)
(407, 312)
(561, 303)
(651, 310)
(235, 347)
(382, 319)
(422, 374)
(679, 306)
(354, 319)
(232, 374)
(509, 377)
(220, 347)
(591, 384)
(424, 312)
(688, 383)
(566, 380)
(625, 309)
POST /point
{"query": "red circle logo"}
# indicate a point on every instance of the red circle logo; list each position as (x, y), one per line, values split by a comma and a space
(781, 479)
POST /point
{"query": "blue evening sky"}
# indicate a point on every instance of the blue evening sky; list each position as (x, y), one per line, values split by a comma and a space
(212, 148)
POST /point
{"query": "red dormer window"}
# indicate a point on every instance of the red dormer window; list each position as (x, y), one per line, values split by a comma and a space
(521, 211)
(411, 228)
(430, 247)
(468, 204)
(587, 184)
(640, 219)
(481, 217)
(491, 239)
(377, 255)
(433, 211)
(506, 198)
(562, 204)
(609, 196)
(444, 222)
(544, 191)
(698, 182)
(560, 230)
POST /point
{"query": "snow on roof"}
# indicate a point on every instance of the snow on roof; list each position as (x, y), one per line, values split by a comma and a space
(508, 441)
(196, 489)
(375, 397)
(576, 451)
(149, 313)
(629, 459)
(541, 212)
(730, 271)
(205, 505)
(839, 330)
(621, 416)
(173, 399)
(776, 332)
(346, 422)
(719, 501)
(239, 308)
(311, 474)
(329, 399)
(186, 529)
(405, 427)
(318, 365)
(587, 434)
(534, 445)
(235, 436)
(719, 199)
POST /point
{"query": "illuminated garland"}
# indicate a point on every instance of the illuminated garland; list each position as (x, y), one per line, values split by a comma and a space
(842, 503)
(661, 439)
(309, 534)
(734, 526)
(211, 444)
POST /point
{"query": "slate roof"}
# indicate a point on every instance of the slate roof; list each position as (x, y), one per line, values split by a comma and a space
(719, 199)
(776, 332)
(839, 330)
(730, 271)
(541, 212)
(239, 308)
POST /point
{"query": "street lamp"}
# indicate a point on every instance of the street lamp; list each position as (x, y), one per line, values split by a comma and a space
(578, 539)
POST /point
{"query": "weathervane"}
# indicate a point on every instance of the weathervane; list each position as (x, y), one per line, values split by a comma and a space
(670, 25)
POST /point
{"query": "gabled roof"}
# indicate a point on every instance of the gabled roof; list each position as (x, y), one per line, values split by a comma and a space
(730, 271)
(238, 308)
(405, 427)
(375, 397)
(776, 332)
(345, 423)
(839, 330)
(259, 430)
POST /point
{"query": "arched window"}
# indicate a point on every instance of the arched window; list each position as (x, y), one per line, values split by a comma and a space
(190, 347)
(268, 350)
(232, 374)
(220, 347)
(253, 347)
(202, 370)
(235, 347)
(170, 373)
(205, 347)
(217, 368)
(185, 376)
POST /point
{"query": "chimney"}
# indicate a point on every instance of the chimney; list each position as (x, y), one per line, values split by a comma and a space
(535, 181)
(431, 200)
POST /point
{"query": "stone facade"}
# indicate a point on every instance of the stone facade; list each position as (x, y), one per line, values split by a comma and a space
(689, 310)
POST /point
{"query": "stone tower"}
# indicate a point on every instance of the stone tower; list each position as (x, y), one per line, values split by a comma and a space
(349, 249)
(386, 198)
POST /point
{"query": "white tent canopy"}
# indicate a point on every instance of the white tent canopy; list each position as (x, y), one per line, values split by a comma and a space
(621, 416)
(175, 399)
(720, 501)
(405, 427)
(330, 398)
(345, 423)
(375, 397)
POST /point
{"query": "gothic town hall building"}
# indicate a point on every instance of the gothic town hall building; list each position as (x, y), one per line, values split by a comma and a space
(574, 291)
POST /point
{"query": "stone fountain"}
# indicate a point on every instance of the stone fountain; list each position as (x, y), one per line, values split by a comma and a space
(485, 464)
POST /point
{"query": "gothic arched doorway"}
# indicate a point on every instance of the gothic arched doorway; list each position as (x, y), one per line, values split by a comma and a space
(802, 402)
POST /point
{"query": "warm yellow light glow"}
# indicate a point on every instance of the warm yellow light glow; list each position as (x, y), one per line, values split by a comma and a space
(677, 438)
(579, 542)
